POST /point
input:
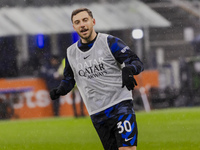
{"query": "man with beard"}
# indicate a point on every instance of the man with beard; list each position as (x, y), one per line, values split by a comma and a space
(102, 66)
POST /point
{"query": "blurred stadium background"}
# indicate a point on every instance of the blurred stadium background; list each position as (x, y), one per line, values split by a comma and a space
(31, 31)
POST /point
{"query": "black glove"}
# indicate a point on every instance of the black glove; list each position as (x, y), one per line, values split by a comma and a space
(57, 92)
(128, 79)
(54, 95)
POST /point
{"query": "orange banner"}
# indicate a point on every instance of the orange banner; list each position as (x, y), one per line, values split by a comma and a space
(148, 78)
(33, 99)
(30, 97)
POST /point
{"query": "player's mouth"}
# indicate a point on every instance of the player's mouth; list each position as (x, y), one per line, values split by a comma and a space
(84, 31)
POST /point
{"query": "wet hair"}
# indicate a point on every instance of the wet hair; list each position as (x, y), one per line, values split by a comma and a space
(75, 12)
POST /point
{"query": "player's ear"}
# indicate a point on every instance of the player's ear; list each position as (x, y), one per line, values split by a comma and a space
(93, 21)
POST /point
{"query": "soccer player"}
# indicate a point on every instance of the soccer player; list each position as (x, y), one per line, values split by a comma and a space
(103, 67)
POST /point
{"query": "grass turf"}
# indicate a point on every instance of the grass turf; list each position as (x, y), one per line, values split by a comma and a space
(166, 129)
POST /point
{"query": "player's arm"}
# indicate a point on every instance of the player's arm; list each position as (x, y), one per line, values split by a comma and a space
(124, 55)
(66, 84)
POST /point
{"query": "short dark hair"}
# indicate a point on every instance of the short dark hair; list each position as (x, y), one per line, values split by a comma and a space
(75, 12)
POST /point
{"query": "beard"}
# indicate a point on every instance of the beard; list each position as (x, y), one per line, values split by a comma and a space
(87, 36)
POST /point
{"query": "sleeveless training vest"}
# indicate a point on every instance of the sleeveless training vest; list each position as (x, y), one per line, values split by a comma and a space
(97, 75)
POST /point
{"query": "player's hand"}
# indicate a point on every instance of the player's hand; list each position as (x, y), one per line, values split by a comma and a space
(53, 94)
(127, 78)
(57, 92)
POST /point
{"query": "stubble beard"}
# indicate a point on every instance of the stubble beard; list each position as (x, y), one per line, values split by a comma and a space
(87, 38)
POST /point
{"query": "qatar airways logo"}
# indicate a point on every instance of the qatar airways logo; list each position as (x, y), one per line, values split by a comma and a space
(92, 68)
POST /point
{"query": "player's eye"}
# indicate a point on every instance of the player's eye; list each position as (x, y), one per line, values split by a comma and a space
(76, 22)
(85, 19)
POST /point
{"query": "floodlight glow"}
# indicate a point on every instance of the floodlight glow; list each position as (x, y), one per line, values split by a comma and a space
(137, 34)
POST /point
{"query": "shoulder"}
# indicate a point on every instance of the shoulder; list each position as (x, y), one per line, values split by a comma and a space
(72, 46)
(115, 43)
(71, 49)
(110, 38)
(113, 39)
(103, 34)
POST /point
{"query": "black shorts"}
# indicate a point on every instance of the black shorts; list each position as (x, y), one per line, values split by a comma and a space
(117, 131)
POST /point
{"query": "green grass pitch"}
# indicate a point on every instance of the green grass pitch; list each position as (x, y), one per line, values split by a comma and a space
(166, 129)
